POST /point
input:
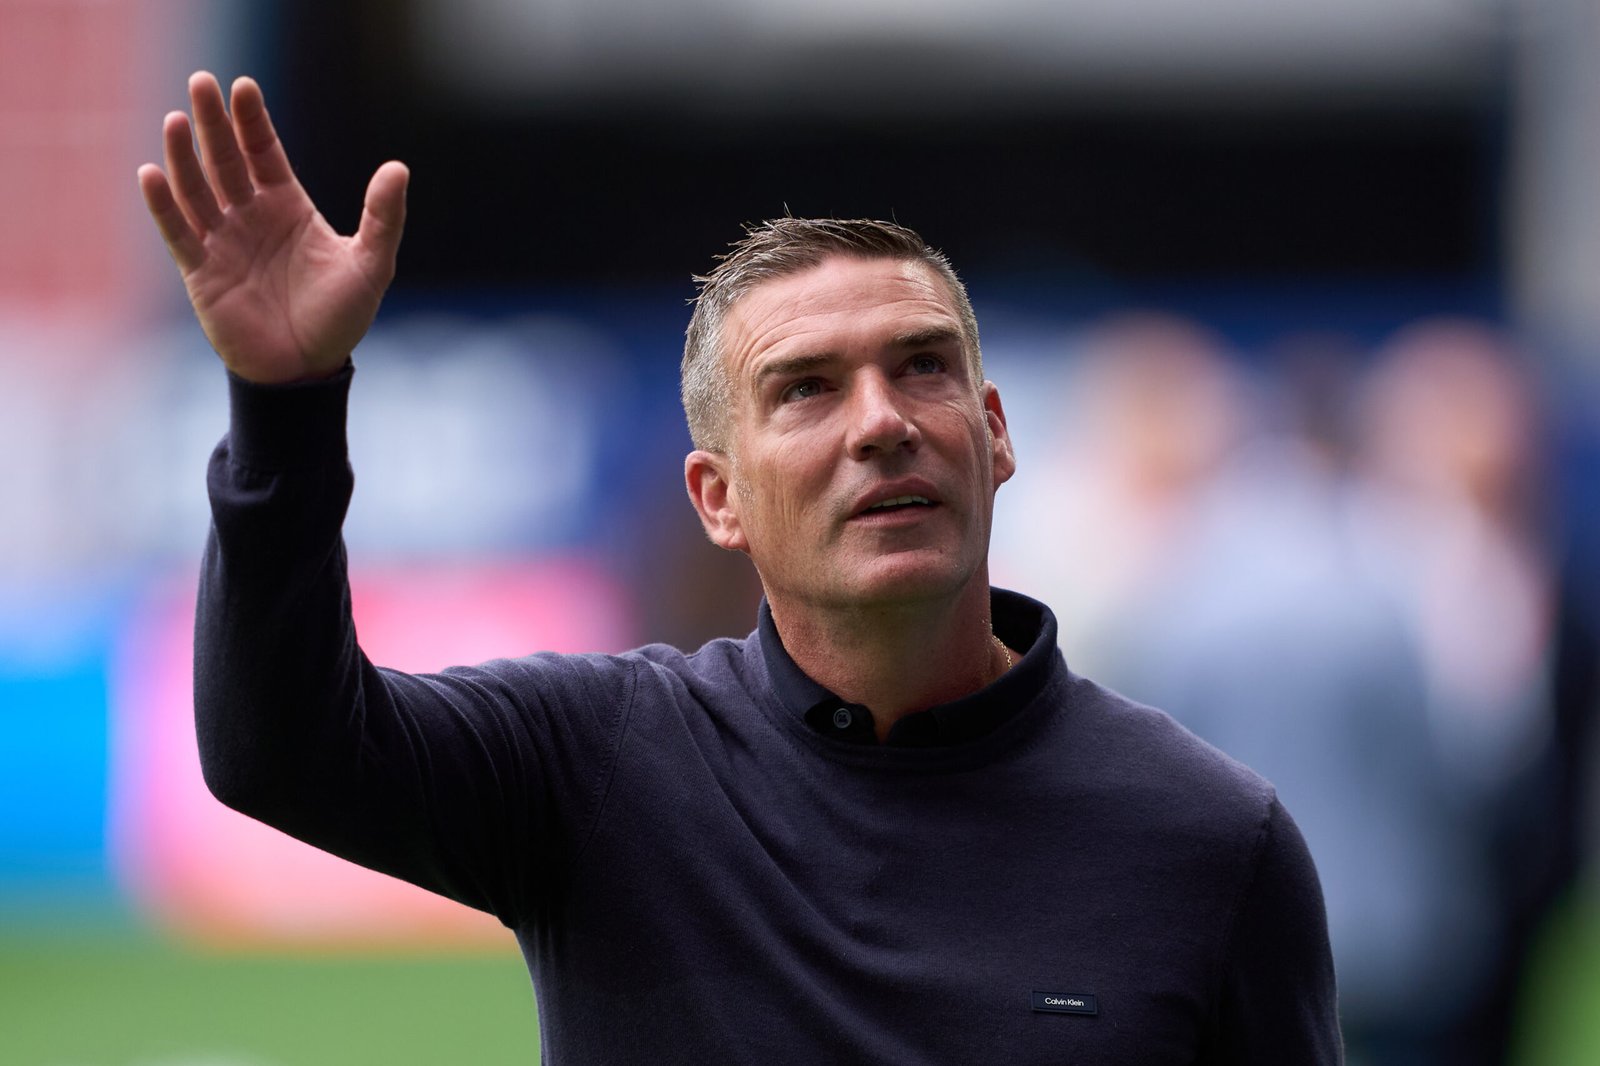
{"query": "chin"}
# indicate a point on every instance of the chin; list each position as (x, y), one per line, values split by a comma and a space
(900, 580)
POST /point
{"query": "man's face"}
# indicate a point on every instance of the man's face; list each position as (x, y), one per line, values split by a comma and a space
(863, 456)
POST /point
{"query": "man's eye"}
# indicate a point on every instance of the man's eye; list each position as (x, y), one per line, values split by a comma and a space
(926, 364)
(801, 390)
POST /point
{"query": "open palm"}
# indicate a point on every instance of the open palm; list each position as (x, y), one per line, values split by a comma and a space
(280, 295)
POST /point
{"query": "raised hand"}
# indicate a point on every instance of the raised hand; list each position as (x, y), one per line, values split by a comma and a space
(280, 295)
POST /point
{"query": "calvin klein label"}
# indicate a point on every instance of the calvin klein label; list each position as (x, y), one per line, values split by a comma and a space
(1065, 1003)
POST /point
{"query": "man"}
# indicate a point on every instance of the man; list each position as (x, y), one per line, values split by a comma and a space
(890, 826)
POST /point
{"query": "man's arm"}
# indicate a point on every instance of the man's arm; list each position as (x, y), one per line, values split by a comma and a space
(464, 782)
(1278, 1001)
(425, 778)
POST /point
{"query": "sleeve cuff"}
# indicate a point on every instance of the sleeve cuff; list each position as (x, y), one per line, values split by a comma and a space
(288, 427)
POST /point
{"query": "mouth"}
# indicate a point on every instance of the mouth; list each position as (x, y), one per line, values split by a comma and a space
(898, 503)
(901, 501)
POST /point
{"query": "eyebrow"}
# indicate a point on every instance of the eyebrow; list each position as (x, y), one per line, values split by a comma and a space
(931, 337)
(788, 366)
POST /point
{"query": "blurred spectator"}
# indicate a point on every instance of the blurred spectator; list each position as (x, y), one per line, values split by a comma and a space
(1149, 411)
(1455, 486)
(1457, 526)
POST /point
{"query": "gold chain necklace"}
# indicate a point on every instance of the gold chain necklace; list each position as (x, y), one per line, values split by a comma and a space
(1003, 649)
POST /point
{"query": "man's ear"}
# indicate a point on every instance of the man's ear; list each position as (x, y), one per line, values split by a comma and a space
(707, 477)
(1005, 457)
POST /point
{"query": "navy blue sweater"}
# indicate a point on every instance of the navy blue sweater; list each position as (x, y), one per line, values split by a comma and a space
(701, 866)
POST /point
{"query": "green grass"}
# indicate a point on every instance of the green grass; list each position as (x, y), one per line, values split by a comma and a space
(1559, 1008)
(130, 999)
(88, 994)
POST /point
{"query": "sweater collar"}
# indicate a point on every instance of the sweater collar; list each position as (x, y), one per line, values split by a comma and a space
(1021, 622)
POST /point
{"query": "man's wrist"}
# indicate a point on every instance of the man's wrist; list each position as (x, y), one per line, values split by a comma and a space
(292, 426)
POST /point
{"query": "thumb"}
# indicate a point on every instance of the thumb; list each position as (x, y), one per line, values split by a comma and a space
(383, 215)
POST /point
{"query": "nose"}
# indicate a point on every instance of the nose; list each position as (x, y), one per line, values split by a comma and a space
(879, 420)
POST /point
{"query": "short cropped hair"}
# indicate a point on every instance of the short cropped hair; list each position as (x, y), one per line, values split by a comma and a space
(778, 248)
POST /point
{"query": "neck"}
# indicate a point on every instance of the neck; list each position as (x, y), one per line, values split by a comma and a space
(896, 659)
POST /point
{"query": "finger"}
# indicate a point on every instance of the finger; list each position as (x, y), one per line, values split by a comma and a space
(182, 241)
(263, 152)
(383, 216)
(189, 182)
(223, 160)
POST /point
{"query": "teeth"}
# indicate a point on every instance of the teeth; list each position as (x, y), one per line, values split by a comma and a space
(900, 501)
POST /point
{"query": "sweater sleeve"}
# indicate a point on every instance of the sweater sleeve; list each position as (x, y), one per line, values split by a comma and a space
(1278, 1001)
(475, 783)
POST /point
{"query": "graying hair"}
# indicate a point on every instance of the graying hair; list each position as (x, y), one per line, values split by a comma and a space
(778, 248)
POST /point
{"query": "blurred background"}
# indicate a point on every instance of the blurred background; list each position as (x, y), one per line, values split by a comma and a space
(1295, 309)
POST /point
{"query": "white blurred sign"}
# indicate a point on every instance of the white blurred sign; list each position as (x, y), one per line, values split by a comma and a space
(466, 437)
(728, 49)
